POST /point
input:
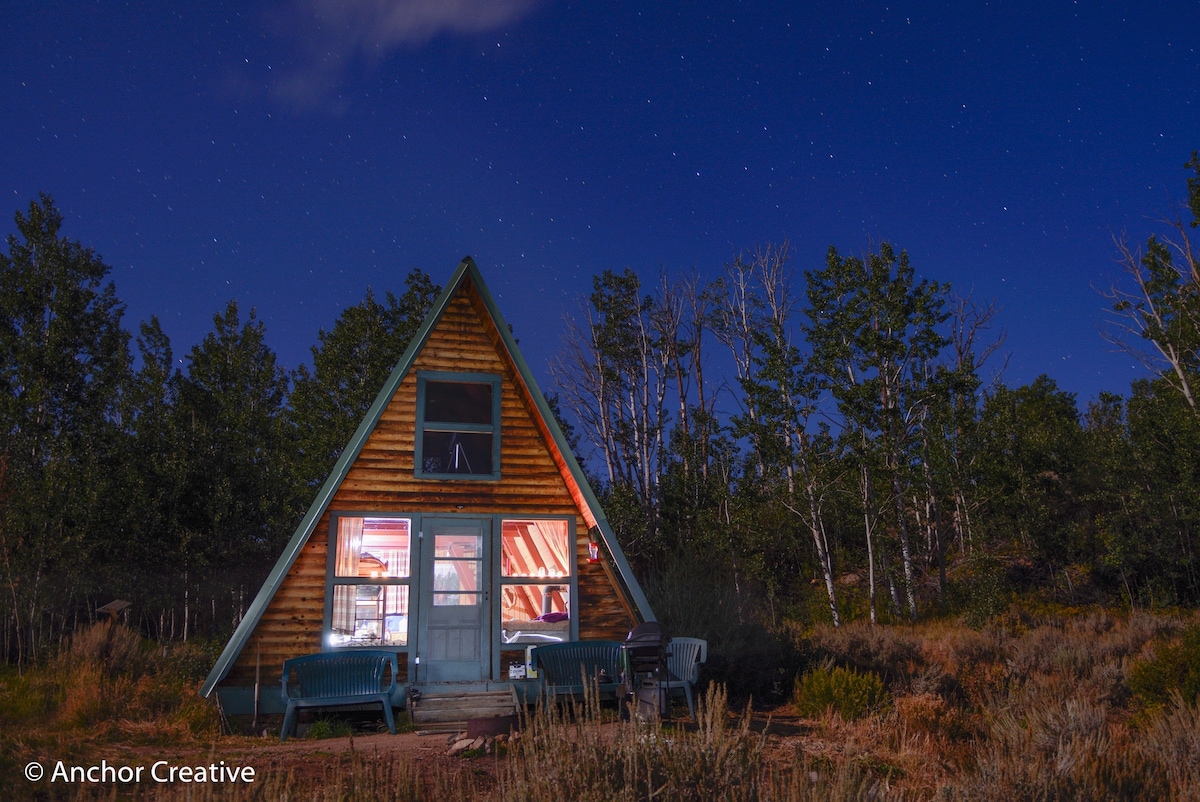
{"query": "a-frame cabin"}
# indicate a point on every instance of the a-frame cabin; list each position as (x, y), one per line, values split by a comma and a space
(456, 529)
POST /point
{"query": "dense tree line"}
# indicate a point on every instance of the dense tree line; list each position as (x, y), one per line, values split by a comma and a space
(122, 476)
(818, 446)
(870, 461)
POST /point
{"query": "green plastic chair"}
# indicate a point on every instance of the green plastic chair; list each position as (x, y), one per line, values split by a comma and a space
(684, 656)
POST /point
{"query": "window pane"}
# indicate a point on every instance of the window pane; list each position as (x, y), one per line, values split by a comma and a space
(456, 452)
(456, 571)
(457, 599)
(373, 547)
(458, 402)
(535, 613)
(456, 575)
(535, 549)
(370, 615)
(458, 547)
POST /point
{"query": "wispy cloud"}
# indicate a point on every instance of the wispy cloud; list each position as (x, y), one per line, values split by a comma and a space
(334, 36)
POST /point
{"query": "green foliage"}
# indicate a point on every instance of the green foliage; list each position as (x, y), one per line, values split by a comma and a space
(874, 331)
(1032, 452)
(175, 489)
(1173, 670)
(845, 691)
(980, 590)
(63, 361)
(351, 362)
(1147, 457)
(325, 727)
(233, 399)
(698, 596)
(1193, 185)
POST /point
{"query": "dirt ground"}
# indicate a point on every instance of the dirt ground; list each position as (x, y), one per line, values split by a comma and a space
(311, 760)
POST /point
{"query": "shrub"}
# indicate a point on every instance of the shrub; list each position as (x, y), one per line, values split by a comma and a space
(981, 591)
(1172, 736)
(1055, 745)
(328, 728)
(565, 754)
(1173, 667)
(889, 651)
(694, 596)
(845, 691)
(930, 714)
(116, 648)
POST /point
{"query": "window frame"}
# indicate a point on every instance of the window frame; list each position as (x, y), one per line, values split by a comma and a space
(493, 429)
(332, 580)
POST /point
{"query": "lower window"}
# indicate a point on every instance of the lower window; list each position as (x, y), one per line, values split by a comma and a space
(370, 615)
(535, 613)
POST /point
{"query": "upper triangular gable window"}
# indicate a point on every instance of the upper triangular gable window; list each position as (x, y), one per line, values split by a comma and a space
(457, 425)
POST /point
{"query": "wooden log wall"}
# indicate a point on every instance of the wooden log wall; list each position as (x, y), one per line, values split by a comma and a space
(382, 480)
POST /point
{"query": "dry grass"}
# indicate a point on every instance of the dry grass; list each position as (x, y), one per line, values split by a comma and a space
(107, 687)
(1026, 707)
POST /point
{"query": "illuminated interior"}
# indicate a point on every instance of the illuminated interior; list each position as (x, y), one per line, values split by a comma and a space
(376, 612)
(537, 611)
(373, 548)
(370, 615)
(456, 567)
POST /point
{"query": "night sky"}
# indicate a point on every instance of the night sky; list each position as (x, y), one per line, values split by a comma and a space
(290, 154)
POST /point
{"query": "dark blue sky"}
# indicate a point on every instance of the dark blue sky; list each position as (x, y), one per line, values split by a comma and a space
(291, 153)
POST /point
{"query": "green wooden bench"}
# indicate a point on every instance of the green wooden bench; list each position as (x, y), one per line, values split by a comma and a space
(565, 665)
(331, 679)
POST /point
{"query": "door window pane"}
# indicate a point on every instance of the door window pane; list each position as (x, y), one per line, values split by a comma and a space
(457, 600)
(459, 547)
(451, 575)
(456, 570)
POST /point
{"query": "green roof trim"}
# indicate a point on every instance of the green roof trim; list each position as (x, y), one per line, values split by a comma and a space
(341, 468)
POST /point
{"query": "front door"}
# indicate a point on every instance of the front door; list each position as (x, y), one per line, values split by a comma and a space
(456, 576)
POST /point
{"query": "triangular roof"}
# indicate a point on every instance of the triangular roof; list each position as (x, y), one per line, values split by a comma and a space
(571, 471)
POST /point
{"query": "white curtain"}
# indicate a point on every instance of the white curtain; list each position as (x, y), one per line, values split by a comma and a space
(551, 537)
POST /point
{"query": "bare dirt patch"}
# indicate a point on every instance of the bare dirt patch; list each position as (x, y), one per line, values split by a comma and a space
(310, 761)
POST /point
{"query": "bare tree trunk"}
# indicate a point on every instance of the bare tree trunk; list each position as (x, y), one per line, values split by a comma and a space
(905, 545)
(698, 300)
(738, 317)
(817, 525)
(868, 528)
(933, 520)
(1163, 310)
(186, 591)
(669, 322)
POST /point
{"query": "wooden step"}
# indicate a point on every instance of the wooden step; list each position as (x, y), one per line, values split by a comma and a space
(446, 711)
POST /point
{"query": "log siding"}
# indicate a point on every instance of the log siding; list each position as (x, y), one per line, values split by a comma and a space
(533, 482)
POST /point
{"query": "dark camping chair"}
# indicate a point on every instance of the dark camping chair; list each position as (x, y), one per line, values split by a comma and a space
(646, 649)
(646, 667)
